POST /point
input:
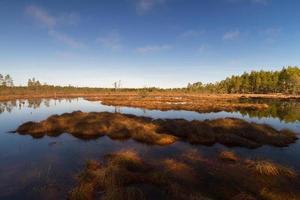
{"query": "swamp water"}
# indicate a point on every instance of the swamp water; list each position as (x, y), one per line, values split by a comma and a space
(46, 168)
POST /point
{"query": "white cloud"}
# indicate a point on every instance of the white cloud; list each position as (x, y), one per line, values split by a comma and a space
(144, 6)
(65, 39)
(41, 16)
(112, 41)
(231, 35)
(153, 48)
(192, 33)
(51, 22)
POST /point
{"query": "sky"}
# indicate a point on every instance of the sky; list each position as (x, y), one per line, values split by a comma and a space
(145, 43)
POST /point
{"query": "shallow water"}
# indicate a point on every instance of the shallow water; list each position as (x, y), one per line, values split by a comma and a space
(45, 168)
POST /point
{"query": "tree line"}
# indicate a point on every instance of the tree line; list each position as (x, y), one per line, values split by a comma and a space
(287, 81)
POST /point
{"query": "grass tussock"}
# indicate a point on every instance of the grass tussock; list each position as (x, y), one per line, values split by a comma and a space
(269, 168)
(227, 131)
(93, 125)
(228, 156)
(126, 175)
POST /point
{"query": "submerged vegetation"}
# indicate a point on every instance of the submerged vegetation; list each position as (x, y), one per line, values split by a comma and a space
(126, 175)
(227, 131)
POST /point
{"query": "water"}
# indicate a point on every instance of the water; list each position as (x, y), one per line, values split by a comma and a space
(46, 168)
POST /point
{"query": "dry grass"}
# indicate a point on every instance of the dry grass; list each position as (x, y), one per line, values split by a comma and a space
(98, 93)
(93, 125)
(269, 168)
(228, 156)
(125, 175)
(268, 194)
(227, 131)
(179, 101)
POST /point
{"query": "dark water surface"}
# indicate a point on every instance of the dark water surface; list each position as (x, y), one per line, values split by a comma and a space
(46, 168)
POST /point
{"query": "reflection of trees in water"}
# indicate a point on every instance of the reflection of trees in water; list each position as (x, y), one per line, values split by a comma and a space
(34, 103)
(47, 102)
(287, 111)
(117, 109)
(7, 106)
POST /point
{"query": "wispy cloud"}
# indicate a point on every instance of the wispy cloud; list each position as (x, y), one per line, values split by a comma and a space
(271, 34)
(192, 33)
(68, 18)
(231, 35)
(65, 39)
(144, 6)
(153, 48)
(51, 22)
(41, 16)
(112, 40)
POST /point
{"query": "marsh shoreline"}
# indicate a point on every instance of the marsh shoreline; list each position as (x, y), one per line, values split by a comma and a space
(119, 94)
(189, 101)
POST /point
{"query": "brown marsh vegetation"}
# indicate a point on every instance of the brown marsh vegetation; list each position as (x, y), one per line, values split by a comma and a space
(126, 175)
(227, 131)
(189, 102)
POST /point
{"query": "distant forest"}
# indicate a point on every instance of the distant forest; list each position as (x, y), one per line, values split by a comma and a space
(285, 81)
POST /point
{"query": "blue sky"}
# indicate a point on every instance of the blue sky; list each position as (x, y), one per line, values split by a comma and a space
(162, 43)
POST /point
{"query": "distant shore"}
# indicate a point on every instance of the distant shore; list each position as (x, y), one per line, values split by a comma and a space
(121, 94)
(166, 100)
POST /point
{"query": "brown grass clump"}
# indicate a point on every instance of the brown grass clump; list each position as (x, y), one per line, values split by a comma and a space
(227, 131)
(228, 156)
(125, 175)
(269, 168)
(93, 125)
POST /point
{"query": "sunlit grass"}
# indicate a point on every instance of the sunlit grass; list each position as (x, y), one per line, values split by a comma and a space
(270, 168)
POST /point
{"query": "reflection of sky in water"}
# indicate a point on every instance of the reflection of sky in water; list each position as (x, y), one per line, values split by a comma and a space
(29, 167)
